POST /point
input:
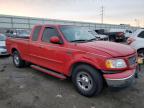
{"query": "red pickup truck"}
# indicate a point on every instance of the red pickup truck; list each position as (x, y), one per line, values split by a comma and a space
(70, 51)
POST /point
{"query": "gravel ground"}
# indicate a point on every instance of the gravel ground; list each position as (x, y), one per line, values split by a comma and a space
(28, 88)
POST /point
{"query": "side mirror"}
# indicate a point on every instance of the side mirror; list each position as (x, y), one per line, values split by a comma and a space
(55, 40)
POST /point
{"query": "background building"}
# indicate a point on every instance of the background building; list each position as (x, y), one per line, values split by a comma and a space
(19, 22)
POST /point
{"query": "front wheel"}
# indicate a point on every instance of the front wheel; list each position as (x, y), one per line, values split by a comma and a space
(18, 62)
(87, 80)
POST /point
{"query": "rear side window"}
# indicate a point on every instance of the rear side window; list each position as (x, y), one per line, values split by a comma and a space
(141, 35)
(48, 33)
(36, 33)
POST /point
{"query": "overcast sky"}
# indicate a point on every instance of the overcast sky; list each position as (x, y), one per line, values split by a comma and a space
(115, 11)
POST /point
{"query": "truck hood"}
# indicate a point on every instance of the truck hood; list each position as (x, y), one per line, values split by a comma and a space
(111, 48)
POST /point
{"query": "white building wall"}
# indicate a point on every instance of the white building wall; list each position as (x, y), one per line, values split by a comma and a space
(13, 22)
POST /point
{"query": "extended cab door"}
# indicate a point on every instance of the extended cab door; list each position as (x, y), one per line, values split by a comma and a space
(53, 56)
(34, 45)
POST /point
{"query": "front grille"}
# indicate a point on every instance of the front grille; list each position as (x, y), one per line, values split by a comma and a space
(132, 60)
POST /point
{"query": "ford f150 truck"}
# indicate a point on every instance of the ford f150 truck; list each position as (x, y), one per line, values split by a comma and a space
(70, 51)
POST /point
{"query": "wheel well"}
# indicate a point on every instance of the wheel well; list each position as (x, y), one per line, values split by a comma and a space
(13, 49)
(81, 63)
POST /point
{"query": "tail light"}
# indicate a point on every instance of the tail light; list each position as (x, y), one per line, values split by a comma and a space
(130, 40)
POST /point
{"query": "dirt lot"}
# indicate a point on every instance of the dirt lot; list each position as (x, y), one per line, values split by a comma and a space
(28, 88)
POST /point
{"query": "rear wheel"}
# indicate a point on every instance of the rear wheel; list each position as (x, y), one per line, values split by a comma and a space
(87, 80)
(18, 62)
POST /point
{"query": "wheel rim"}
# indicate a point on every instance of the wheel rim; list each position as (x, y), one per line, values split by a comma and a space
(84, 81)
(16, 59)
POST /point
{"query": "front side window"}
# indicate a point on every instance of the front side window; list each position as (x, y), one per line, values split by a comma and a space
(77, 34)
(141, 35)
(48, 33)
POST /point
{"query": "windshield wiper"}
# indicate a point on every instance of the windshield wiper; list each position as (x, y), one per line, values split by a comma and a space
(80, 40)
(94, 39)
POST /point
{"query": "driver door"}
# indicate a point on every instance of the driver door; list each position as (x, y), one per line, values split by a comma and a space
(53, 56)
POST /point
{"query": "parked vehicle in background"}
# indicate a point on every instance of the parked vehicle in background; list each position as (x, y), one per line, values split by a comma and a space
(18, 33)
(116, 36)
(113, 36)
(3, 50)
(137, 41)
(9, 33)
(126, 32)
(100, 36)
(70, 51)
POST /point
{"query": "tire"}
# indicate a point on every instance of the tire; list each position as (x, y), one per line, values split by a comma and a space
(87, 80)
(18, 62)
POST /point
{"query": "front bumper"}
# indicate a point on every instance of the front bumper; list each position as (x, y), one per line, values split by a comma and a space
(122, 79)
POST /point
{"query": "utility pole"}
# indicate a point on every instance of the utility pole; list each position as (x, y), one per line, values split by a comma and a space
(101, 10)
(102, 14)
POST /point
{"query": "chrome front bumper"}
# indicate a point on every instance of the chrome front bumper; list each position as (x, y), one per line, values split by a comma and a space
(121, 82)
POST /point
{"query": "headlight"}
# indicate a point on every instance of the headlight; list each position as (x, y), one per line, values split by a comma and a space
(115, 63)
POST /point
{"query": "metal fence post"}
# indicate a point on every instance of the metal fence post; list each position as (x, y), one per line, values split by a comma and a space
(12, 23)
(29, 25)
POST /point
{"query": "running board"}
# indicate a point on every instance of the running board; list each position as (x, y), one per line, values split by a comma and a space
(52, 73)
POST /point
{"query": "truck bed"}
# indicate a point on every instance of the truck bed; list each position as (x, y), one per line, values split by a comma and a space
(20, 43)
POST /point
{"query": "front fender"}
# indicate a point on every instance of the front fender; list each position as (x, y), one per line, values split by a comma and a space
(90, 60)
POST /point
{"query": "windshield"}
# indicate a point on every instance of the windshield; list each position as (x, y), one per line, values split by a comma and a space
(2, 37)
(75, 34)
